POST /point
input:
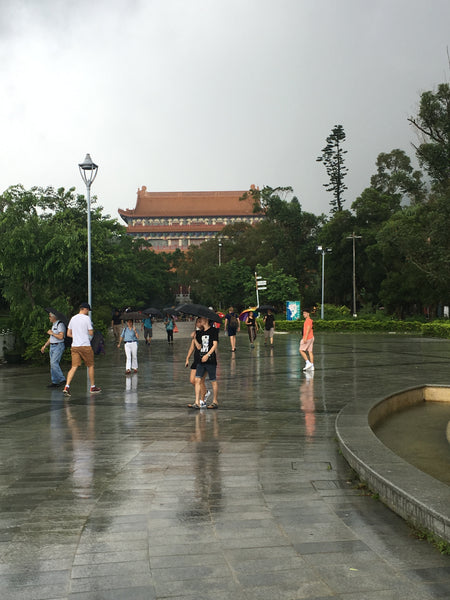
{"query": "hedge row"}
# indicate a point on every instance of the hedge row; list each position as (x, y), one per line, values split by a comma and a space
(434, 329)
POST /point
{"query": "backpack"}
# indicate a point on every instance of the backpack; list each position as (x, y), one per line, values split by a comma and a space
(98, 343)
(67, 339)
(234, 322)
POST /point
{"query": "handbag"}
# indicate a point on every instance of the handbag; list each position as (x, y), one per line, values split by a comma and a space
(175, 328)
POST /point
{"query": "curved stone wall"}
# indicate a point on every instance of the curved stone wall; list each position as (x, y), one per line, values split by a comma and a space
(411, 493)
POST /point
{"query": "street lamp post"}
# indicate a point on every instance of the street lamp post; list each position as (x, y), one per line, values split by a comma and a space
(354, 237)
(323, 251)
(220, 251)
(88, 172)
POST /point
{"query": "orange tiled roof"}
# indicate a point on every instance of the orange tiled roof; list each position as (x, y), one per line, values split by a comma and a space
(189, 204)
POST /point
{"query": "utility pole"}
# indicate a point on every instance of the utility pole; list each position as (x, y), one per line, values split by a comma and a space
(354, 237)
(321, 250)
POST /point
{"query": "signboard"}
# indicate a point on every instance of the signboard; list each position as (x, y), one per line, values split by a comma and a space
(293, 310)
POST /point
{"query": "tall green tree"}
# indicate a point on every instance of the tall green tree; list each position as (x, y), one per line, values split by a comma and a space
(280, 287)
(396, 177)
(333, 158)
(43, 257)
(432, 123)
(418, 237)
(290, 234)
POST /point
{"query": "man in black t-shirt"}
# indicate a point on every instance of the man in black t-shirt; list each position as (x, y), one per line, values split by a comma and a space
(206, 342)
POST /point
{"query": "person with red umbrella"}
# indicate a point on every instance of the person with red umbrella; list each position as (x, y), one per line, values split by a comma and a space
(252, 328)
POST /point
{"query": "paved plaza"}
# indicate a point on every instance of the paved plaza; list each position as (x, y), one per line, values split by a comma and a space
(129, 495)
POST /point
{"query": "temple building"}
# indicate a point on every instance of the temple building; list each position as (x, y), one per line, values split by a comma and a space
(171, 220)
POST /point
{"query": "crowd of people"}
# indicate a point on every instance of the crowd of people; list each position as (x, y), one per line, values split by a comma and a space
(203, 346)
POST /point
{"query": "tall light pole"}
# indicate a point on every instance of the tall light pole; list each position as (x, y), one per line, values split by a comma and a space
(88, 171)
(354, 237)
(220, 251)
(323, 251)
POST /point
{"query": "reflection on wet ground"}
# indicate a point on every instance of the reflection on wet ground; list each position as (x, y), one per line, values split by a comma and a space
(128, 494)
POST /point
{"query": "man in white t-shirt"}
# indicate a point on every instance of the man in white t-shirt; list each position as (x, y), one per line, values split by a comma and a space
(81, 330)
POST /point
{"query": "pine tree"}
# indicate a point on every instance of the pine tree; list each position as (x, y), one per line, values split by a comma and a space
(333, 159)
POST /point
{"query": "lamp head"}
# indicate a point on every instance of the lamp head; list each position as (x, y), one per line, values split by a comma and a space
(88, 170)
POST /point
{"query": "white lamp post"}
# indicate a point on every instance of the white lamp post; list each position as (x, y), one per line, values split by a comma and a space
(88, 171)
(323, 251)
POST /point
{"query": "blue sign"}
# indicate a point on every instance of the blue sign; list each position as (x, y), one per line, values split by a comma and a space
(292, 310)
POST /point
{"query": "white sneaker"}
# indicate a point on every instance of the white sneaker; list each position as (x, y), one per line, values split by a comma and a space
(307, 365)
(202, 404)
(207, 395)
(311, 367)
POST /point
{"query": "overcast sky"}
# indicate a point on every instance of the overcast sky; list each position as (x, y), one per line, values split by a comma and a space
(182, 95)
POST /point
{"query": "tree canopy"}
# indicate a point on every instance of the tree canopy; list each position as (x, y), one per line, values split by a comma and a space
(43, 257)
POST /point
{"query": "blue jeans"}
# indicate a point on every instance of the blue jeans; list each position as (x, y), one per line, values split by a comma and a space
(56, 352)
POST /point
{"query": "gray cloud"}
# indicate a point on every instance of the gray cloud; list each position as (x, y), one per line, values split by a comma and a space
(201, 94)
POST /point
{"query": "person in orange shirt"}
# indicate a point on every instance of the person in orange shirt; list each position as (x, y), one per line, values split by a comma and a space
(307, 342)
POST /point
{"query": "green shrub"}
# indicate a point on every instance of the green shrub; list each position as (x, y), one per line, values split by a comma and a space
(355, 325)
(439, 329)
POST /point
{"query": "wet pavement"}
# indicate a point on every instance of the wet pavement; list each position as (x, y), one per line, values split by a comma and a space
(130, 495)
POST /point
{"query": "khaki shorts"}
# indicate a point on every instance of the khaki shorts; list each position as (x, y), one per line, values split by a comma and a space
(82, 353)
(307, 346)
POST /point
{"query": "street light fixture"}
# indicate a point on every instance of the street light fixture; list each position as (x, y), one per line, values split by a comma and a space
(88, 172)
(354, 237)
(220, 251)
(323, 251)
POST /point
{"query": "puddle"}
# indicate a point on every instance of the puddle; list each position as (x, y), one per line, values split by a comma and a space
(419, 435)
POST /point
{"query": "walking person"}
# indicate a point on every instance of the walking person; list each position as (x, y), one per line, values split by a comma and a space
(169, 323)
(233, 325)
(193, 350)
(206, 341)
(148, 330)
(56, 344)
(252, 328)
(269, 327)
(116, 324)
(130, 339)
(81, 330)
(307, 342)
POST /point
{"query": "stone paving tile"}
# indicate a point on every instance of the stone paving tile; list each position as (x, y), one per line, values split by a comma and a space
(374, 576)
(46, 592)
(93, 558)
(105, 546)
(432, 574)
(211, 587)
(285, 584)
(135, 567)
(136, 593)
(111, 582)
(170, 549)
